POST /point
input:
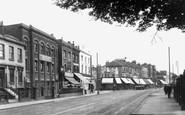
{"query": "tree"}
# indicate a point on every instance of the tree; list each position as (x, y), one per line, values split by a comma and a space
(165, 14)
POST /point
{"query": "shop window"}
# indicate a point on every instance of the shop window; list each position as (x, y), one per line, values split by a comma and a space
(19, 55)
(11, 53)
(2, 51)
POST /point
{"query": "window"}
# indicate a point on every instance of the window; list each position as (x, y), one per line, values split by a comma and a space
(36, 47)
(69, 55)
(88, 60)
(36, 65)
(26, 43)
(85, 69)
(82, 69)
(52, 52)
(1, 50)
(48, 67)
(82, 58)
(20, 75)
(73, 57)
(11, 72)
(26, 63)
(42, 66)
(65, 56)
(42, 48)
(19, 55)
(11, 53)
(76, 59)
(47, 51)
(52, 68)
(85, 59)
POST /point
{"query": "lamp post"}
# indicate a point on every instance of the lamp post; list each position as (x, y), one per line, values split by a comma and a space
(169, 63)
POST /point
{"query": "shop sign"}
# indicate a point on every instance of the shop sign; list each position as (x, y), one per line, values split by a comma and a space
(45, 58)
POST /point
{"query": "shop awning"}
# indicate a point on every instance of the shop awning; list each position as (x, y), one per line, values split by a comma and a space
(146, 81)
(142, 82)
(72, 80)
(81, 77)
(107, 80)
(136, 80)
(163, 82)
(131, 82)
(150, 81)
(125, 80)
(118, 80)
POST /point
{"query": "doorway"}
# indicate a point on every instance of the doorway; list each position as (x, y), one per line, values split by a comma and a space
(2, 77)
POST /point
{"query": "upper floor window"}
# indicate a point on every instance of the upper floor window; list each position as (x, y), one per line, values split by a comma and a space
(26, 43)
(36, 47)
(19, 55)
(36, 65)
(65, 55)
(73, 57)
(52, 52)
(11, 53)
(47, 51)
(81, 58)
(1, 50)
(69, 55)
(85, 59)
(42, 48)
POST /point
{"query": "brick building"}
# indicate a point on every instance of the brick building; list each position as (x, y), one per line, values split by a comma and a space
(40, 60)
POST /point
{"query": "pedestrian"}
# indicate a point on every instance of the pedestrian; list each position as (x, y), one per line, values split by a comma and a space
(114, 86)
(169, 90)
(165, 89)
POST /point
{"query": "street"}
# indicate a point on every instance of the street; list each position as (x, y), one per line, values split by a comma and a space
(114, 103)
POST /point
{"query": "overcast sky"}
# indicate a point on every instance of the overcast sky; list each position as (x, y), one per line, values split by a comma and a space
(109, 41)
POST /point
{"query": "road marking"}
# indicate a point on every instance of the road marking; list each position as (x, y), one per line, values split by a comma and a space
(74, 108)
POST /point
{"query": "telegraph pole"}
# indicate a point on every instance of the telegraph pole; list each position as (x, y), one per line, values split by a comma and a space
(97, 81)
(169, 63)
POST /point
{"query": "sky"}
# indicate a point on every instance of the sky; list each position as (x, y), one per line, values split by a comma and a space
(109, 41)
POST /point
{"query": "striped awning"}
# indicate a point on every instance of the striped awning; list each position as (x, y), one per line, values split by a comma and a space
(125, 80)
(118, 80)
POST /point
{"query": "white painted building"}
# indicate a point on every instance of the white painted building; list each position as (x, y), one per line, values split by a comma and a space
(12, 62)
(85, 69)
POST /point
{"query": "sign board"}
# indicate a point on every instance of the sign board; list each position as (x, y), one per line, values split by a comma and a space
(45, 58)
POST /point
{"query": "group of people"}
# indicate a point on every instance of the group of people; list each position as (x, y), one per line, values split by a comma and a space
(168, 90)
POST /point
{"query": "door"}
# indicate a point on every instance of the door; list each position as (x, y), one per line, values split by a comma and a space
(2, 77)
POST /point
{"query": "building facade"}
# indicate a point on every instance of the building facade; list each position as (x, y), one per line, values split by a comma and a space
(85, 70)
(41, 59)
(68, 57)
(12, 63)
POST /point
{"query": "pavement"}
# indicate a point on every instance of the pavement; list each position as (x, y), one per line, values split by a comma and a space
(158, 103)
(34, 102)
